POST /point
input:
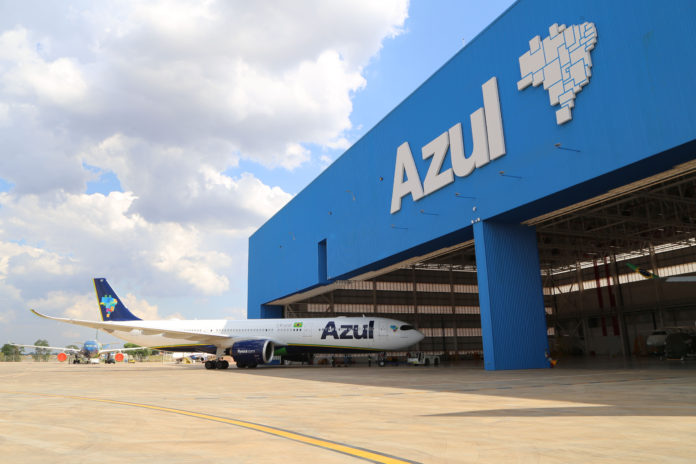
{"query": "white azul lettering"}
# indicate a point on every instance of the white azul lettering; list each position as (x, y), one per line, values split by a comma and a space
(488, 144)
(434, 179)
(348, 332)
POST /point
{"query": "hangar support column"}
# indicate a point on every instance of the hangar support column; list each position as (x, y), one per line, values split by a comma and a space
(513, 320)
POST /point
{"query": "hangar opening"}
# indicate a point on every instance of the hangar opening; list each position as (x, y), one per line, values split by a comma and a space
(591, 255)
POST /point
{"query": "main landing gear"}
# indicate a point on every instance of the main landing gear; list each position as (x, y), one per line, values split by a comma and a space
(218, 364)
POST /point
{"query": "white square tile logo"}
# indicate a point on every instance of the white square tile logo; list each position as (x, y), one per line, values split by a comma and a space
(562, 63)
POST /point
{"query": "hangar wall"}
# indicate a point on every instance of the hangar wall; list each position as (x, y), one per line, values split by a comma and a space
(636, 117)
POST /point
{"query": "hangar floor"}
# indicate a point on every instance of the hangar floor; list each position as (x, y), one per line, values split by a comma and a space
(595, 302)
(152, 413)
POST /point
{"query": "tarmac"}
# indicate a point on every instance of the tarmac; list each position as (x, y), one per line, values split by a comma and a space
(168, 413)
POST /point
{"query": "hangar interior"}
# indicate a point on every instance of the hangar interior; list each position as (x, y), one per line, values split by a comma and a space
(595, 303)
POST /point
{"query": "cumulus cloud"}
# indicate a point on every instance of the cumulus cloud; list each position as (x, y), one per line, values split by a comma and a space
(259, 79)
(84, 306)
(171, 97)
(185, 186)
(6, 317)
(67, 304)
(144, 310)
(27, 74)
(97, 233)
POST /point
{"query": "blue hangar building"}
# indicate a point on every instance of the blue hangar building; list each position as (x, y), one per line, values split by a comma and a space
(537, 193)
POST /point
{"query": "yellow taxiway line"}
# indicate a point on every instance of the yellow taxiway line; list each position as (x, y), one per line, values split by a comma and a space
(306, 439)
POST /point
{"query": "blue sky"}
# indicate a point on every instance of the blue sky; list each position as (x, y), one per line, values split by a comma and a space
(146, 141)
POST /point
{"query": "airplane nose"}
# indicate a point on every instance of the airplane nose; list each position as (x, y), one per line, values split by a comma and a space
(419, 336)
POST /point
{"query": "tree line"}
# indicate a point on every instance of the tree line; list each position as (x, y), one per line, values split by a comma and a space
(12, 353)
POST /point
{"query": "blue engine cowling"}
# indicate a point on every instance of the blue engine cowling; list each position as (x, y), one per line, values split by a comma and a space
(252, 352)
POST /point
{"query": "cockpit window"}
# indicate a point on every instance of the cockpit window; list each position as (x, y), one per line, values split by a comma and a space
(407, 327)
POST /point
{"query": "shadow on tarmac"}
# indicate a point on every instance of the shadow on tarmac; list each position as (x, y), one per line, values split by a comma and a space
(586, 386)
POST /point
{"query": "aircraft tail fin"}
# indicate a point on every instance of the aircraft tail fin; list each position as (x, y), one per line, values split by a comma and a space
(110, 306)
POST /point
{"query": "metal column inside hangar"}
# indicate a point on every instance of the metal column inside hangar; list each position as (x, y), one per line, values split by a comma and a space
(502, 225)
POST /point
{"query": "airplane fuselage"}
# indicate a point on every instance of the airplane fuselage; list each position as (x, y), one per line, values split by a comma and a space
(91, 349)
(307, 335)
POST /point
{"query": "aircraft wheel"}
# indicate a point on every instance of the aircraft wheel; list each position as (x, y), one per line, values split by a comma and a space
(221, 364)
(210, 365)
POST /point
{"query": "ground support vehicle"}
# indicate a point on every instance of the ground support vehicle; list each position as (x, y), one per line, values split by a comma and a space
(422, 359)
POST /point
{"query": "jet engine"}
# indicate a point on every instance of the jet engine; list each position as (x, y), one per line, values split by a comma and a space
(250, 353)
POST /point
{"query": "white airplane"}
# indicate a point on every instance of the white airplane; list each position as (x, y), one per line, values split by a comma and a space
(250, 342)
(90, 351)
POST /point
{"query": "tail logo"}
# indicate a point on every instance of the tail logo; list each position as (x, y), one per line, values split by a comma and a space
(109, 303)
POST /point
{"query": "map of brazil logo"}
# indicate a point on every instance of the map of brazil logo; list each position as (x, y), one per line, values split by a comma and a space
(562, 63)
(109, 303)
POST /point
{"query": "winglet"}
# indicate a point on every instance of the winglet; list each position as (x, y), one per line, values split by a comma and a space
(53, 318)
(39, 314)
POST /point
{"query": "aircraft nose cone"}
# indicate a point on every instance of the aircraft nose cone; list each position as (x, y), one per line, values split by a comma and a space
(419, 336)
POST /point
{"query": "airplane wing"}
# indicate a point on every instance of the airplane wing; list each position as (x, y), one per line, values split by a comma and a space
(58, 348)
(120, 350)
(196, 337)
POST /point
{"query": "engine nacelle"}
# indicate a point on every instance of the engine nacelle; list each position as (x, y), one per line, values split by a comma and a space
(252, 352)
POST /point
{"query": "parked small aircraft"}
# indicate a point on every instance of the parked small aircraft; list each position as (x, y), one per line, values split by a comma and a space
(89, 353)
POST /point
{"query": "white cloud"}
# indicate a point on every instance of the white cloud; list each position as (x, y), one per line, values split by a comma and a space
(236, 313)
(73, 305)
(170, 96)
(339, 144)
(258, 78)
(7, 316)
(144, 310)
(185, 186)
(325, 161)
(93, 232)
(85, 307)
(4, 114)
(27, 74)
